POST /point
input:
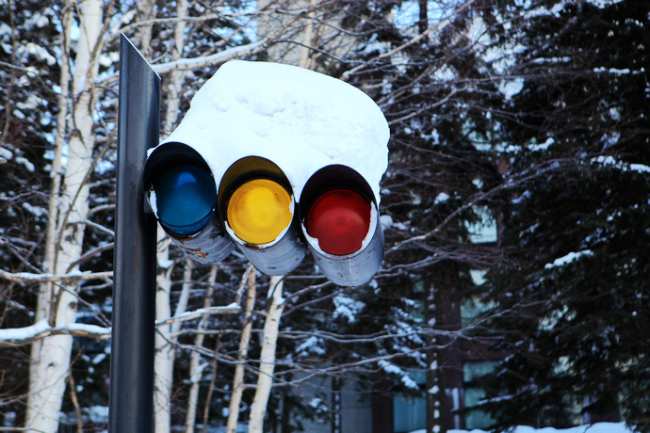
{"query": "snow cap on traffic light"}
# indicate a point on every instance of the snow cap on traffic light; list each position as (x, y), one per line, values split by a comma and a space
(300, 120)
(276, 160)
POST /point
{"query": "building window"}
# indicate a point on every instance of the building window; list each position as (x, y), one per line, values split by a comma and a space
(476, 419)
(485, 230)
(474, 306)
(410, 413)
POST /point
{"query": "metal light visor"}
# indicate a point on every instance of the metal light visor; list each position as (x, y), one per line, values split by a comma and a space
(257, 208)
(340, 222)
(182, 193)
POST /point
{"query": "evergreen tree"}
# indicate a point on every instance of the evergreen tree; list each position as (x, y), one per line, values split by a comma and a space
(572, 297)
(28, 79)
(437, 94)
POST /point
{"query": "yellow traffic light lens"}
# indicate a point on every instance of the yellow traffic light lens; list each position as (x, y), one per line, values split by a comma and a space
(259, 211)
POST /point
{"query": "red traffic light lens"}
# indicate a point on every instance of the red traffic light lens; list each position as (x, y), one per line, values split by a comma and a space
(340, 220)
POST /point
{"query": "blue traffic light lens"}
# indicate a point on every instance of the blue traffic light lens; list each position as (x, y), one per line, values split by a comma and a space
(185, 199)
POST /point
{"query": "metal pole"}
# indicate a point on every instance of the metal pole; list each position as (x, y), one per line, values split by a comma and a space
(132, 343)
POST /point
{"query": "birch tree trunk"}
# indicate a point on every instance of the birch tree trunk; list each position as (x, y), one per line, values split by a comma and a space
(267, 358)
(50, 358)
(238, 381)
(42, 310)
(166, 336)
(196, 369)
(145, 13)
(165, 354)
(162, 371)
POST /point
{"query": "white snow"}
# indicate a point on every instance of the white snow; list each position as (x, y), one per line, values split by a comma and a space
(103, 166)
(5, 155)
(603, 3)
(24, 161)
(441, 198)
(164, 263)
(98, 358)
(373, 46)
(97, 414)
(640, 168)
(485, 230)
(31, 103)
(198, 373)
(37, 51)
(510, 88)
(543, 146)
(311, 346)
(393, 369)
(607, 160)
(568, 259)
(603, 427)
(445, 73)
(37, 211)
(623, 166)
(386, 221)
(478, 276)
(347, 307)
(310, 342)
(615, 71)
(299, 119)
(19, 334)
(478, 32)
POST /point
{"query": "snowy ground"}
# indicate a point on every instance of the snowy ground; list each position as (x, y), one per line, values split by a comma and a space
(603, 427)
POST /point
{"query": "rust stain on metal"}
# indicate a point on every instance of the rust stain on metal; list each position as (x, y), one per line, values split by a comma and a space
(255, 247)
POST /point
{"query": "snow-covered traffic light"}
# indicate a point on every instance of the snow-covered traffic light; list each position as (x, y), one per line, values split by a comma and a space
(275, 160)
(258, 208)
(341, 225)
(182, 192)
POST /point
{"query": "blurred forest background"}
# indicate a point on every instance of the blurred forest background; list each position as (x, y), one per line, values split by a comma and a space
(514, 289)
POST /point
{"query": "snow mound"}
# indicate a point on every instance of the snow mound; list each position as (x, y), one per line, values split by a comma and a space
(603, 427)
(299, 119)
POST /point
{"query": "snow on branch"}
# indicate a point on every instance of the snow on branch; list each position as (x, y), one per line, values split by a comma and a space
(198, 62)
(42, 329)
(27, 277)
(189, 315)
(414, 40)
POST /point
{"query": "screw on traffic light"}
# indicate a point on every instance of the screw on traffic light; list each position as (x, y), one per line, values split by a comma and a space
(276, 161)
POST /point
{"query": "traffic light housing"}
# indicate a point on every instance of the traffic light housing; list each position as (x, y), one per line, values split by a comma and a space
(276, 161)
(257, 206)
(341, 225)
(203, 237)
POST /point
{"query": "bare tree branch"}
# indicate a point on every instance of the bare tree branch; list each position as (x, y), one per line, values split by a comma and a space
(42, 329)
(28, 277)
(199, 62)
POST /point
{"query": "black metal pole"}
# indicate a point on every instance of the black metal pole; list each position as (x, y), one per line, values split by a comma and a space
(132, 344)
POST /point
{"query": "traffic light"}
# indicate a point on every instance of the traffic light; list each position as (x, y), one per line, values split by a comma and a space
(341, 225)
(181, 191)
(275, 160)
(257, 205)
